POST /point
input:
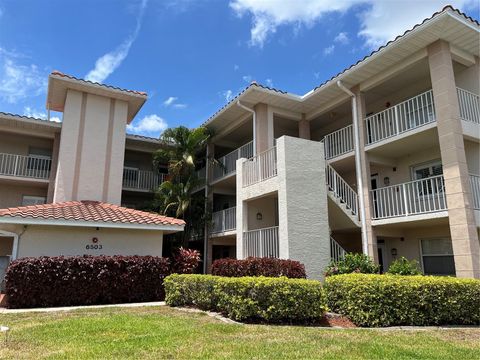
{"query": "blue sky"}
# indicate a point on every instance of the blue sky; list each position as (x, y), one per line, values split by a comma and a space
(191, 56)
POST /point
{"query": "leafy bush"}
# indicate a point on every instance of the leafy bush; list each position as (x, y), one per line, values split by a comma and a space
(260, 298)
(388, 300)
(185, 261)
(403, 266)
(270, 267)
(352, 263)
(85, 280)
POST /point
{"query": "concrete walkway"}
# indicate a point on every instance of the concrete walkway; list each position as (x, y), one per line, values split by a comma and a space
(70, 308)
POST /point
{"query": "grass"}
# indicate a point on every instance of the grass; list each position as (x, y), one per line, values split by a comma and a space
(166, 333)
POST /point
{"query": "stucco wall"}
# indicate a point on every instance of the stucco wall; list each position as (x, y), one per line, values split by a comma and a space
(265, 206)
(302, 203)
(92, 149)
(472, 153)
(20, 144)
(12, 195)
(468, 78)
(61, 240)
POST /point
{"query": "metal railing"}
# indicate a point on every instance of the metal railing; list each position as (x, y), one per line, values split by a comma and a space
(261, 243)
(338, 142)
(475, 185)
(407, 115)
(229, 161)
(224, 220)
(411, 198)
(134, 179)
(25, 166)
(201, 173)
(260, 167)
(469, 105)
(341, 190)
(336, 251)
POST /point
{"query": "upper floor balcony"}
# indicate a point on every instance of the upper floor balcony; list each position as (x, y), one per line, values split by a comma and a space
(260, 167)
(407, 116)
(224, 220)
(227, 163)
(141, 180)
(28, 167)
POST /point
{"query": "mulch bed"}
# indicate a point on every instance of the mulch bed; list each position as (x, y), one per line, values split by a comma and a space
(336, 320)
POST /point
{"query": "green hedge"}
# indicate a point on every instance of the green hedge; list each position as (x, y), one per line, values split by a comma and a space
(389, 300)
(260, 298)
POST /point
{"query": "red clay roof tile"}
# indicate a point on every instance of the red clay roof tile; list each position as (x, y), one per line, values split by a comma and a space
(87, 210)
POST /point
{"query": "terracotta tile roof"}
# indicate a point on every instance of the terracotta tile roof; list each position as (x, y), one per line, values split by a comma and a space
(59, 73)
(45, 121)
(91, 211)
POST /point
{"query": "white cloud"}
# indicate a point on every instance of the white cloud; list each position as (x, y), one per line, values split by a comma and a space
(247, 78)
(380, 22)
(150, 125)
(28, 111)
(228, 95)
(236, 67)
(172, 101)
(328, 50)
(269, 82)
(342, 38)
(19, 81)
(108, 63)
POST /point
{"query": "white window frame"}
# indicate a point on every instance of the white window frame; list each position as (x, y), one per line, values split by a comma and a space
(37, 200)
(432, 255)
(427, 164)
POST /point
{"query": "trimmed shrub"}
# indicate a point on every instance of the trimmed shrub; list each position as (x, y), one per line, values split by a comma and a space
(403, 266)
(389, 300)
(85, 280)
(353, 263)
(251, 266)
(185, 261)
(265, 299)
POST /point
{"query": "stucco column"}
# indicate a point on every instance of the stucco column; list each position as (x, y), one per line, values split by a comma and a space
(463, 231)
(241, 211)
(263, 127)
(304, 128)
(365, 174)
(53, 168)
(207, 246)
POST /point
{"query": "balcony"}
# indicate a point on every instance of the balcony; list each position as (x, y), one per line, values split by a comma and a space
(469, 106)
(406, 116)
(224, 220)
(228, 162)
(411, 198)
(32, 167)
(339, 142)
(141, 180)
(261, 243)
(261, 167)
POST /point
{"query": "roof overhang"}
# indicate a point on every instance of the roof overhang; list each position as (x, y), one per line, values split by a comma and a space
(449, 25)
(100, 224)
(58, 84)
(28, 125)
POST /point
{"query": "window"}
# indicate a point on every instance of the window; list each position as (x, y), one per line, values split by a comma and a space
(437, 256)
(28, 200)
(425, 171)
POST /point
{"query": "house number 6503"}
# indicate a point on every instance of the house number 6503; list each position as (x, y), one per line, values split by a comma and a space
(93, 247)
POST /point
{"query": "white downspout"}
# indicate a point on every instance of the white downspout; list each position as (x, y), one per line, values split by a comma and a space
(254, 125)
(358, 167)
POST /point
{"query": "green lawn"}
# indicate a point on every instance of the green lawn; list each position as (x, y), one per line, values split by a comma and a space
(162, 332)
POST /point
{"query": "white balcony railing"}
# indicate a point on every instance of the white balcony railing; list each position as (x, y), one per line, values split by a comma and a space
(336, 251)
(469, 105)
(406, 116)
(229, 161)
(201, 173)
(25, 166)
(341, 190)
(411, 198)
(261, 243)
(338, 142)
(475, 185)
(260, 167)
(134, 179)
(224, 220)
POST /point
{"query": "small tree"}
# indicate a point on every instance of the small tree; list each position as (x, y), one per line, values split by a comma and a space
(353, 263)
(403, 266)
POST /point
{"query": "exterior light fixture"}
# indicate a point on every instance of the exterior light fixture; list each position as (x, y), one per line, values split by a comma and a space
(259, 216)
(394, 252)
(386, 180)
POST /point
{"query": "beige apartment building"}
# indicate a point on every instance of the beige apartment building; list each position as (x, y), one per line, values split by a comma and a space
(71, 188)
(383, 158)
